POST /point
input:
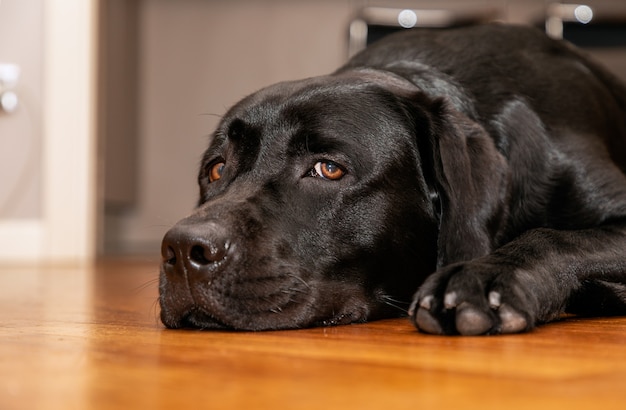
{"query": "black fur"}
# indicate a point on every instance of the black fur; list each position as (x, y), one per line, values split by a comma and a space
(483, 166)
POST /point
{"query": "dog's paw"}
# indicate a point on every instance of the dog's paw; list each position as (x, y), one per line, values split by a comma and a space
(474, 299)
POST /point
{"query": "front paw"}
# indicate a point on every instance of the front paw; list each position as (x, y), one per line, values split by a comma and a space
(474, 298)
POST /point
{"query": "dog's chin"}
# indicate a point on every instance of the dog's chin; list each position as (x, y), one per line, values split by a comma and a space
(216, 317)
(296, 317)
(198, 319)
(202, 319)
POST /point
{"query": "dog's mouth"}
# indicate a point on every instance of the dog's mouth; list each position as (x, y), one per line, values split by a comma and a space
(197, 318)
(279, 301)
(233, 301)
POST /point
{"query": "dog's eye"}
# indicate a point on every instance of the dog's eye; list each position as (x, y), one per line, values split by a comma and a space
(215, 171)
(328, 170)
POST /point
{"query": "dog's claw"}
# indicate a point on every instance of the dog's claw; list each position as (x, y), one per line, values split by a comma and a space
(426, 302)
(495, 299)
(450, 300)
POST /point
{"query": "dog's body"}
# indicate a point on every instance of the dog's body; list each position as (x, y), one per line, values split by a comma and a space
(491, 156)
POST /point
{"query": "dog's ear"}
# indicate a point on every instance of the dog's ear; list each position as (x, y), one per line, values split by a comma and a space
(468, 177)
(463, 169)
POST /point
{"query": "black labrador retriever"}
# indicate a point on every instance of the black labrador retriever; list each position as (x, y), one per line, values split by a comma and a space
(482, 167)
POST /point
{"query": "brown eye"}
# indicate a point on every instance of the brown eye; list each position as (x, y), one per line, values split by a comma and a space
(329, 170)
(215, 171)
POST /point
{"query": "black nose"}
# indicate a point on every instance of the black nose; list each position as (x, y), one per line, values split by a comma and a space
(195, 245)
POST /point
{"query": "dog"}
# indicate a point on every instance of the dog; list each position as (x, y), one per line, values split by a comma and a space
(473, 178)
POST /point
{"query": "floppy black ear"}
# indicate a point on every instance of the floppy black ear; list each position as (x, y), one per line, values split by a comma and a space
(462, 167)
(469, 178)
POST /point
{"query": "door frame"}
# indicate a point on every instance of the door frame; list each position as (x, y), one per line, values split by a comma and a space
(66, 230)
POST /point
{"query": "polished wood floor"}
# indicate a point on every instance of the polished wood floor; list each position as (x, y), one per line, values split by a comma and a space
(89, 338)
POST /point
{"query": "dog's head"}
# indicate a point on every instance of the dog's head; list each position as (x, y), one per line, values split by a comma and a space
(320, 203)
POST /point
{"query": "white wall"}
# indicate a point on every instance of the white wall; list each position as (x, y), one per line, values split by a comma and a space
(21, 39)
(50, 217)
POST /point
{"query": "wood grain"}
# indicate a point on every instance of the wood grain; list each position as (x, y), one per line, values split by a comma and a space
(90, 338)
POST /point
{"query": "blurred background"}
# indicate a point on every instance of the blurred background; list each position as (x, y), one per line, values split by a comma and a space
(106, 106)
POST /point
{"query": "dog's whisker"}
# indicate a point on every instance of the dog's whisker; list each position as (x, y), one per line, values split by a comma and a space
(389, 298)
(300, 279)
(296, 290)
(209, 114)
(394, 303)
(155, 310)
(145, 285)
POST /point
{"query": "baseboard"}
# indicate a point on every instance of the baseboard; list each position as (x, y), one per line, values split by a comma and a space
(21, 241)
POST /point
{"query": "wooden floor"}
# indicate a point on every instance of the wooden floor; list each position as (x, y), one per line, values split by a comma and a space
(90, 339)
